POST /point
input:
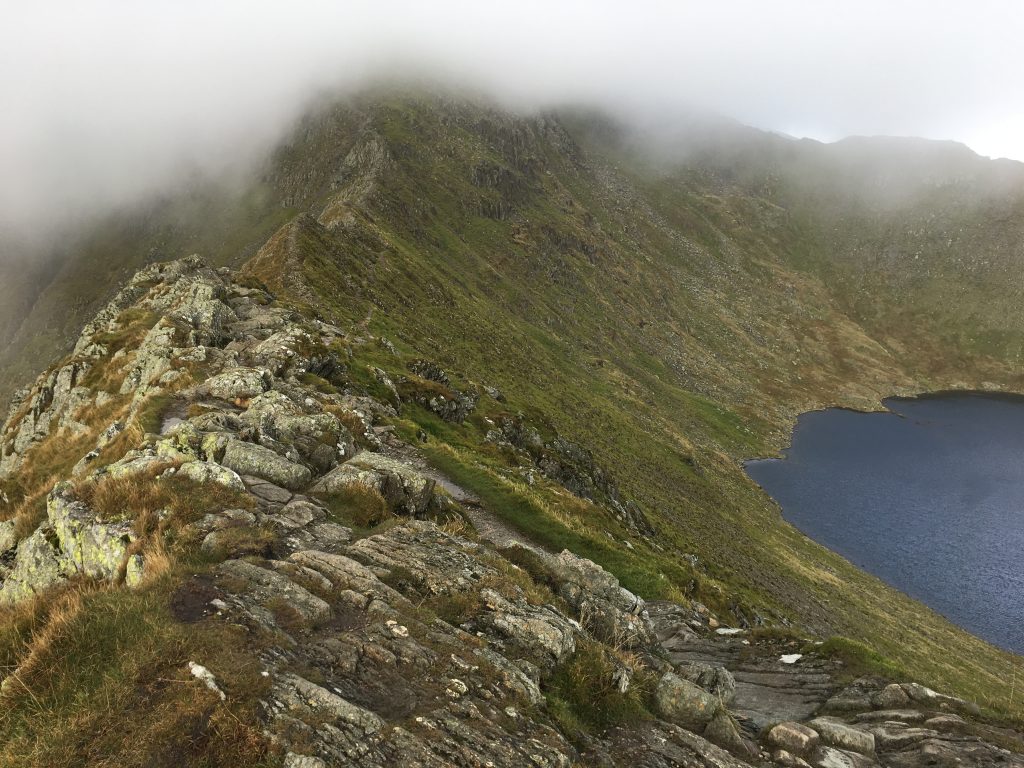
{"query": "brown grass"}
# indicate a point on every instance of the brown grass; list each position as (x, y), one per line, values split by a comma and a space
(141, 496)
(102, 680)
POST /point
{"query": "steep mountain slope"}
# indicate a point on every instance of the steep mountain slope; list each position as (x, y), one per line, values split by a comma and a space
(252, 563)
(649, 318)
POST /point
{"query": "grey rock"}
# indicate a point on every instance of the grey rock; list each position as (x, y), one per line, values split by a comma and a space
(210, 472)
(268, 587)
(891, 697)
(37, 567)
(793, 737)
(8, 540)
(251, 459)
(843, 736)
(87, 545)
(237, 384)
(684, 703)
(723, 731)
(717, 681)
(403, 488)
(538, 632)
(610, 611)
(297, 692)
(831, 757)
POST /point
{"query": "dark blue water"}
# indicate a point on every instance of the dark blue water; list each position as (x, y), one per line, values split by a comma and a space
(929, 498)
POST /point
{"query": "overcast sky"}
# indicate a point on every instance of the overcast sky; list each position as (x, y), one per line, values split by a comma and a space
(103, 101)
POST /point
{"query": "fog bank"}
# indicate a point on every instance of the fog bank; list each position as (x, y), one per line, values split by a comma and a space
(106, 102)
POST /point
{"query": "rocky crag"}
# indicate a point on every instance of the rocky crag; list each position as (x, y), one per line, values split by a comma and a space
(236, 459)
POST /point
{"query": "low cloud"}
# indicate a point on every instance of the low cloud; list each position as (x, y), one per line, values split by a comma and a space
(104, 103)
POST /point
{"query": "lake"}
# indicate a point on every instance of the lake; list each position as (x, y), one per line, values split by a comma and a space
(929, 498)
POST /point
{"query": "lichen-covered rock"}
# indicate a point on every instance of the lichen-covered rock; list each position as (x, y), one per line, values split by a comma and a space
(8, 539)
(680, 701)
(48, 406)
(251, 459)
(152, 359)
(211, 472)
(610, 611)
(88, 546)
(37, 567)
(134, 462)
(237, 384)
(403, 488)
(318, 436)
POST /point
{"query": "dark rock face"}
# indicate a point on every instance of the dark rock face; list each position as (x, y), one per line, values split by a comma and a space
(432, 390)
(570, 465)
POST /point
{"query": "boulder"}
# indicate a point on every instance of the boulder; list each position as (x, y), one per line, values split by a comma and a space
(891, 697)
(211, 472)
(684, 703)
(717, 681)
(37, 567)
(843, 736)
(237, 384)
(793, 737)
(926, 696)
(87, 545)
(403, 488)
(251, 459)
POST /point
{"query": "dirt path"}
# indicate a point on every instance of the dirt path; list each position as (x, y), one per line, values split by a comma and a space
(488, 525)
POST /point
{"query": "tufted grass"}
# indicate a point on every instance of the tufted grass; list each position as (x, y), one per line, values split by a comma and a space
(142, 495)
(582, 696)
(357, 506)
(99, 676)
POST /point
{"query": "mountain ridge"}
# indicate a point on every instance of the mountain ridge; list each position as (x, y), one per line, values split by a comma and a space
(669, 325)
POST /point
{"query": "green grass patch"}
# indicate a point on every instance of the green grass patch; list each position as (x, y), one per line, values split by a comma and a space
(583, 697)
(859, 660)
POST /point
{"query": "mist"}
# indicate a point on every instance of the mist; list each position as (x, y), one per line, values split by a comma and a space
(106, 103)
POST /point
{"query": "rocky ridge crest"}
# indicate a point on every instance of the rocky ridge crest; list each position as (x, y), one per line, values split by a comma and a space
(389, 631)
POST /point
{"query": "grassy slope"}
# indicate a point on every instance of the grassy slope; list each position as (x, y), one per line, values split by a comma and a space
(662, 323)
